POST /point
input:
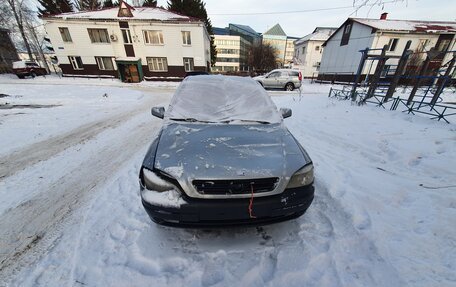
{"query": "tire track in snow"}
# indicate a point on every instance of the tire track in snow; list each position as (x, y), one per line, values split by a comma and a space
(29, 229)
(43, 150)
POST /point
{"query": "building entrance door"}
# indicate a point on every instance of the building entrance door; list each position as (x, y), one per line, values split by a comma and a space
(131, 73)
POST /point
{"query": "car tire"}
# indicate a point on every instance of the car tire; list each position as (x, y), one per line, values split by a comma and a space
(33, 74)
(289, 87)
(20, 77)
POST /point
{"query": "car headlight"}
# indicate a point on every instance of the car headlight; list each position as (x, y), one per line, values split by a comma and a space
(302, 177)
(154, 182)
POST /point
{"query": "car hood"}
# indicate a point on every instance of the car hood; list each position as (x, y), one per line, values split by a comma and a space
(227, 151)
(259, 77)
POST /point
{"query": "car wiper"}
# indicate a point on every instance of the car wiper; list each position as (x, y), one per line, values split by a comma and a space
(250, 121)
(190, 120)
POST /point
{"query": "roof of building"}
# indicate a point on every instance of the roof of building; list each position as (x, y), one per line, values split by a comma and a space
(276, 30)
(220, 31)
(319, 34)
(409, 25)
(246, 28)
(139, 13)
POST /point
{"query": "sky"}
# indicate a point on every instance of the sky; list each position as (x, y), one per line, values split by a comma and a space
(302, 23)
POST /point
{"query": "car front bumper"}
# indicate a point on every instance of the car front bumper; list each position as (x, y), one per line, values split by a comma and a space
(193, 212)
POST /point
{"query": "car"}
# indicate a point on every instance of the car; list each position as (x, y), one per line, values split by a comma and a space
(224, 156)
(286, 79)
(28, 68)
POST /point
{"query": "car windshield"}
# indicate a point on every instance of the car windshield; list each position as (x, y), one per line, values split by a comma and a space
(222, 99)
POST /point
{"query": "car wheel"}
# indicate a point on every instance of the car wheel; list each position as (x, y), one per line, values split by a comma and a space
(289, 87)
(20, 77)
(33, 74)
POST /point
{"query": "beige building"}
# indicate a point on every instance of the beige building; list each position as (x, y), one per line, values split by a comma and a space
(131, 43)
(283, 44)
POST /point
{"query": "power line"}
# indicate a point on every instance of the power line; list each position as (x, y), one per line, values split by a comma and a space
(300, 11)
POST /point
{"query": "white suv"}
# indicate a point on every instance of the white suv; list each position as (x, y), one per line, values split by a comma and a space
(286, 79)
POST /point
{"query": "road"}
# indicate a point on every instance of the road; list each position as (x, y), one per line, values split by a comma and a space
(78, 162)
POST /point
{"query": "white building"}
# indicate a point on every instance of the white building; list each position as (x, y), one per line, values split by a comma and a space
(341, 56)
(308, 51)
(132, 43)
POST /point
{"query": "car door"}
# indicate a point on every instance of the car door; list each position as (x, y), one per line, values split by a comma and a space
(270, 81)
(282, 80)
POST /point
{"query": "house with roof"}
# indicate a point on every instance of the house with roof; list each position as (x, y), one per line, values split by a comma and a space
(284, 45)
(233, 44)
(308, 51)
(341, 55)
(130, 43)
(8, 53)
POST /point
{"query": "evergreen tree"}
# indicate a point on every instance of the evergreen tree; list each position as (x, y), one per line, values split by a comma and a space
(110, 4)
(88, 5)
(195, 9)
(53, 7)
(149, 3)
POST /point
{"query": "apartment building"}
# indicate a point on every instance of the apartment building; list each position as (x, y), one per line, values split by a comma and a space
(130, 43)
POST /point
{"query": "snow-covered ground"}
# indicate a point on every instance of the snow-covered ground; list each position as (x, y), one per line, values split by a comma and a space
(71, 213)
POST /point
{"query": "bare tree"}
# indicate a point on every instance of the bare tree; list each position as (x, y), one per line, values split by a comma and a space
(262, 57)
(17, 10)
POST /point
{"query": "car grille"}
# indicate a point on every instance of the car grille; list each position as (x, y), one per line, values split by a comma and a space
(236, 186)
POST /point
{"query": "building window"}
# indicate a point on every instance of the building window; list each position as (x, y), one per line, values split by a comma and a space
(65, 33)
(303, 50)
(392, 44)
(157, 64)
(153, 37)
(422, 45)
(76, 62)
(188, 64)
(346, 34)
(186, 39)
(105, 63)
(317, 48)
(443, 45)
(98, 35)
(126, 36)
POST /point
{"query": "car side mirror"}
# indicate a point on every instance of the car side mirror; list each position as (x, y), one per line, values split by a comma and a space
(158, 112)
(286, 113)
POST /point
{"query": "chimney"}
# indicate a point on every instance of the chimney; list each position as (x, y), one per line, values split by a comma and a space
(383, 16)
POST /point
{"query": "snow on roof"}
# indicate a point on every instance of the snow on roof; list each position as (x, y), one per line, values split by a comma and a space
(141, 13)
(319, 34)
(217, 98)
(409, 25)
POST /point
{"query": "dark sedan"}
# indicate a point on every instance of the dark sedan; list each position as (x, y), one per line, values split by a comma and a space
(224, 157)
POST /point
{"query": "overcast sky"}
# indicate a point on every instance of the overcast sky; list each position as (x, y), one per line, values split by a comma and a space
(303, 23)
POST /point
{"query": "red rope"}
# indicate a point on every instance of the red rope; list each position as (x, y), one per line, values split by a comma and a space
(251, 203)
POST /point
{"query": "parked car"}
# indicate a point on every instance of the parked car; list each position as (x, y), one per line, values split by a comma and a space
(281, 79)
(28, 68)
(224, 157)
(196, 73)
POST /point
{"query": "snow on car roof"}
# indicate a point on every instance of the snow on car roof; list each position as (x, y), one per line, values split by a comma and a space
(217, 98)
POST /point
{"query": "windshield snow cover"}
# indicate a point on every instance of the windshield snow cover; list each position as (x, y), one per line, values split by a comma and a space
(216, 98)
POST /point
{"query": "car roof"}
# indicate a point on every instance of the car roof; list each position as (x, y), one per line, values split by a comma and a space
(217, 98)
